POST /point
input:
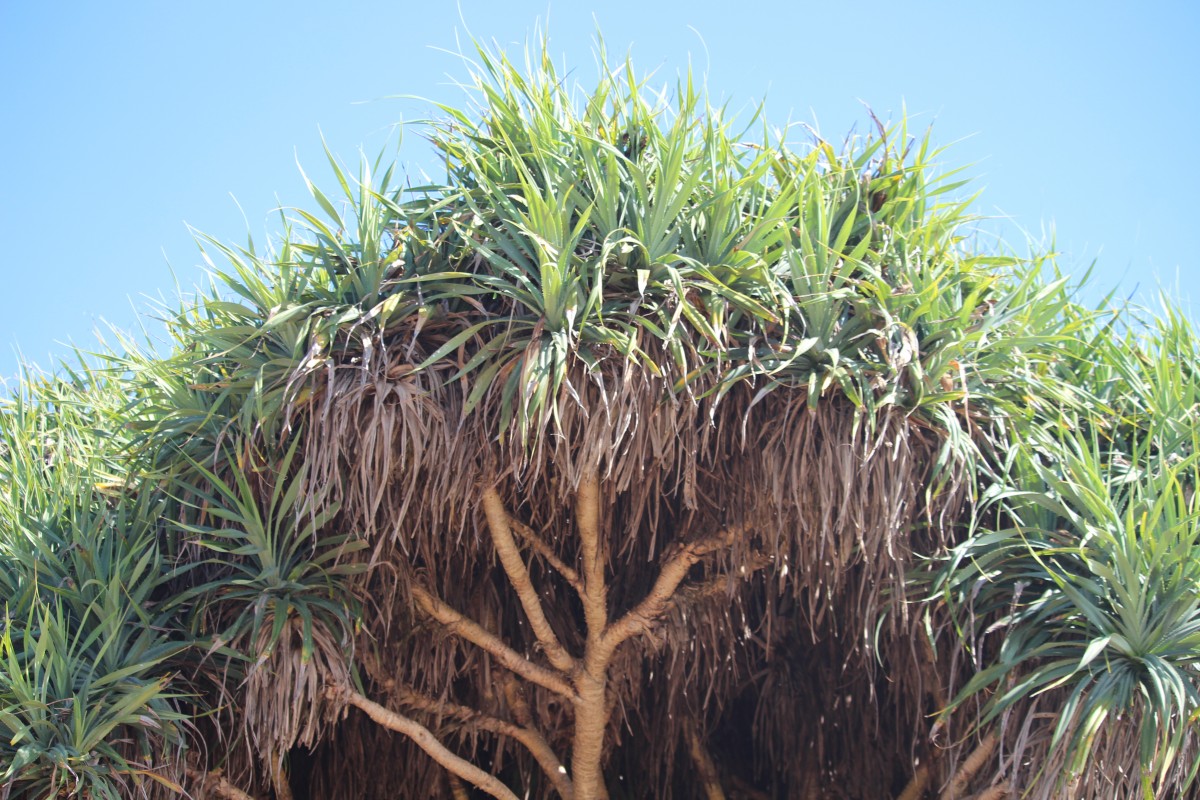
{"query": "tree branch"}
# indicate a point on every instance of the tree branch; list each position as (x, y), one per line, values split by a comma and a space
(694, 593)
(915, 789)
(524, 734)
(640, 619)
(473, 632)
(543, 549)
(973, 763)
(425, 739)
(500, 525)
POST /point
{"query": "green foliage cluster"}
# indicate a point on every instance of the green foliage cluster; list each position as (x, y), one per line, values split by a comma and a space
(90, 630)
(1083, 556)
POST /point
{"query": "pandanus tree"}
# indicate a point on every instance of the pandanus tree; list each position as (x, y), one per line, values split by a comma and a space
(643, 456)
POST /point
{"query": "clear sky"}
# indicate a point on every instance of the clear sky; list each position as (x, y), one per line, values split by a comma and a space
(123, 123)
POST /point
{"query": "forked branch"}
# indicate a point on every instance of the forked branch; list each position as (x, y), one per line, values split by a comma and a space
(641, 618)
(592, 702)
(695, 593)
(583, 681)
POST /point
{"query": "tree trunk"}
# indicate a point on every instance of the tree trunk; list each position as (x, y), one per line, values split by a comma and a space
(591, 723)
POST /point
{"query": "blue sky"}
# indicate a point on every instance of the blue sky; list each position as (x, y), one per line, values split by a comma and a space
(126, 122)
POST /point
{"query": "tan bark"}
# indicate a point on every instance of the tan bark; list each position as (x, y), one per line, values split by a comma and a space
(595, 590)
(967, 771)
(543, 549)
(425, 739)
(916, 787)
(591, 702)
(641, 618)
(500, 526)
(591, 723)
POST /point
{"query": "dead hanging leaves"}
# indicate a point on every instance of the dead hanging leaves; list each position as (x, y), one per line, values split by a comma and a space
(625, 580)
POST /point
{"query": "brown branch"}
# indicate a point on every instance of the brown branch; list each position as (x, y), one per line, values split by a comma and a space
(998, 792)
(543, 549)
(424, 738)
(500, 526)
(700, 591)
(915, 789)
(467, 716)
(691, 595)
(216, 783)
(533, 741)
(595, 592)
(515, 696)
(475, 633)
(973, 763)
(705, 767)
(640, 619)
(591, 701)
